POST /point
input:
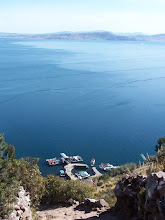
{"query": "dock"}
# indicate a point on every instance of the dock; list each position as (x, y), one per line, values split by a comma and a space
(68, 169)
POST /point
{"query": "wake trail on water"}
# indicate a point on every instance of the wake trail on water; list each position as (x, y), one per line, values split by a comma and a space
(35, 78)
(35, 91)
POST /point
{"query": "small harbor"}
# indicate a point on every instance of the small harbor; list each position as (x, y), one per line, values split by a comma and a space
(69, 163)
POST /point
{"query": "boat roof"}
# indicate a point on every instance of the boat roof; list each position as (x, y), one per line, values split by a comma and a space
(62, 171)
(63, 155)
(83, 173)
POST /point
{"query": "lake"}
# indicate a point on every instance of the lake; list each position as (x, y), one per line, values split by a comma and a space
(101, 99)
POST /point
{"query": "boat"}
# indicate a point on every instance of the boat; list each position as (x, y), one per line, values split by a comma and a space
(63, 155)
(53, 161)
(62, 173)
(73, 159)
(106, 166)
(64, 159)
(92, 162)
(82, 175)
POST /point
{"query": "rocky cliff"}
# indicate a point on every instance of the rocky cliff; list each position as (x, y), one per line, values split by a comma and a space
(141, 197)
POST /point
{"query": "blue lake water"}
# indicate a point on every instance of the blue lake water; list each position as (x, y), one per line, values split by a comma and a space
(101, 99)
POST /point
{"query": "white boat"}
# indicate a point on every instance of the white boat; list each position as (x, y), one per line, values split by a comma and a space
(92, 162)
(62, 173)
(106, 166)
(53, 161)
(82, 175)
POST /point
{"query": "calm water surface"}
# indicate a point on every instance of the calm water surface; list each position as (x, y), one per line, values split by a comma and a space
(98, 99)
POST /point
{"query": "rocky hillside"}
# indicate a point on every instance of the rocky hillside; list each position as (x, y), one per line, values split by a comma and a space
(141, 197)
(21, 207)
(127, 192)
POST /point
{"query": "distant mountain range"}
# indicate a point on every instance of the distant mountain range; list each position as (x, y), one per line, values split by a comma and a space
(95, 35)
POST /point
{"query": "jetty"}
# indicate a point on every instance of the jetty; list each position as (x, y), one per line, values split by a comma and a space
(68, 169)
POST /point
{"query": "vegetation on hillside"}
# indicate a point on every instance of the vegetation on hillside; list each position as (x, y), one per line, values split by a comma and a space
(25, 172)
(52, 189)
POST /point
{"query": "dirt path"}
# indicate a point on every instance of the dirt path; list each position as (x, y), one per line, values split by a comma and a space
(73, 213)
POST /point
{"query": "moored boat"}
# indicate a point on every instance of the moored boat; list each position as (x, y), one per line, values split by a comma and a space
(62, 173)
(53, 161)
(82, 175)
(92, 162)
(73, 159)
(64, 160)
(106, 166)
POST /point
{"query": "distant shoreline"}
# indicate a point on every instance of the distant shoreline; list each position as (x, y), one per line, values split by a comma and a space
(87, 36)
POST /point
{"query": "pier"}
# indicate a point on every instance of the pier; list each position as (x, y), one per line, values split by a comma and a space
(68, 169)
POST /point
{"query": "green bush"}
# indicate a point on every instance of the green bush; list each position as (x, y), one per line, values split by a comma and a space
(9, 174)
(108, 195)
(104, 177)
(160, 142)
(31, 179)
(58, 190)
(122, 169)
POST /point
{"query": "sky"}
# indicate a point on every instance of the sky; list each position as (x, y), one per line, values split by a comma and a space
(49, 16)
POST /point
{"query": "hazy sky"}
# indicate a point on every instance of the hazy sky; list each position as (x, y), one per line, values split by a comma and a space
(43, 16)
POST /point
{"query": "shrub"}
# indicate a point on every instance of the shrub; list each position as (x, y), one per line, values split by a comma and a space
(104, 177)
(160, 142)
(8, 177)
(108, 195)
(31, 179)
(122, 169)
(58, 190)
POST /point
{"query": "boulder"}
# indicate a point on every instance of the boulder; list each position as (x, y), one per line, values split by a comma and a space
(16, 207)
(19, 213)
(155, 195)
(90, 202)
(102, 203)
(127, 192)
(73, 202)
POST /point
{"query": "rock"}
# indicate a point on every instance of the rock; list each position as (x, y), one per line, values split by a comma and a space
(151, 205)
(91, 202)
(155, 195)
(161, 190)
(73, 202)
(126, 191)
(118, 191)
(77, 203)
(102, 203)
(21, 208)
(161, 207)
(16, 207)
(19, 212)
